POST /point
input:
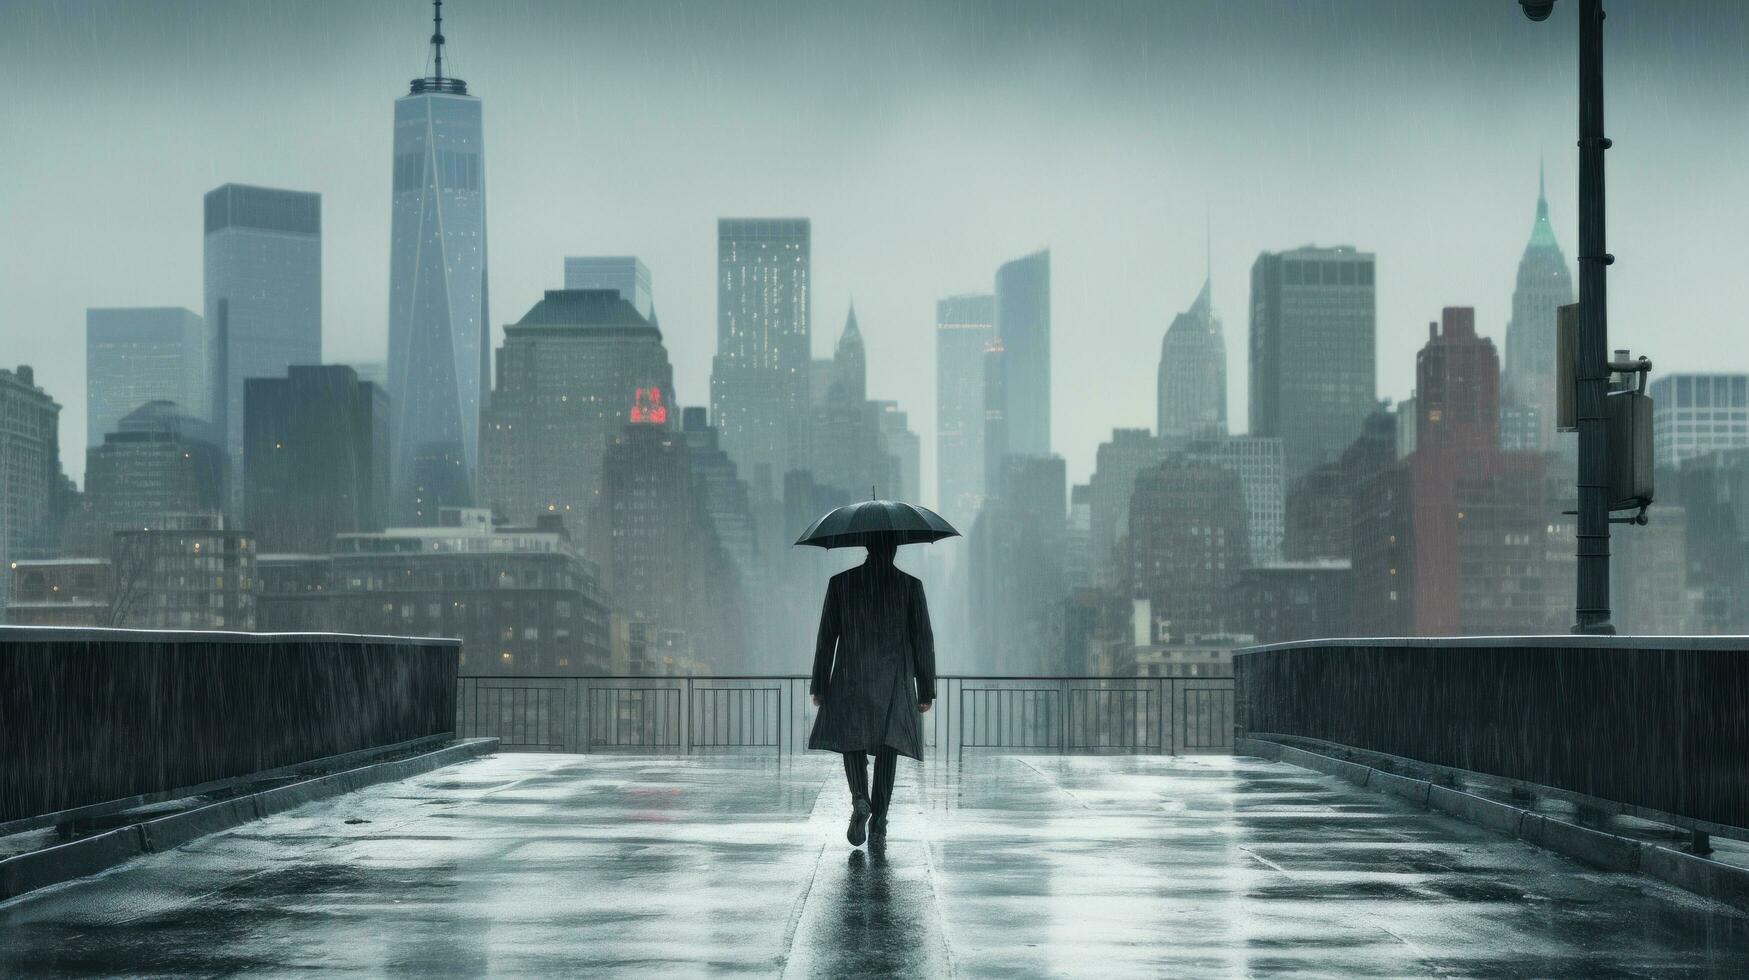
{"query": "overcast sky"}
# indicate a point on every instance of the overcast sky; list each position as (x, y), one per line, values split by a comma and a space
(928, 142)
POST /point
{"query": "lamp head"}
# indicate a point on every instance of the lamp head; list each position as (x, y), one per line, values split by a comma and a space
(1537, 9)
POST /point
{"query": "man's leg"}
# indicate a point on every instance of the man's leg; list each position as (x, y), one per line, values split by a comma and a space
(886, 767)
(856, 772)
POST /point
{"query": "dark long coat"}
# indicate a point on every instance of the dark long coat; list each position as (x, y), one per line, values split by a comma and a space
(874, 662)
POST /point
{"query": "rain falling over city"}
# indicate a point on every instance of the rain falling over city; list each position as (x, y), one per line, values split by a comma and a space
(913, 488)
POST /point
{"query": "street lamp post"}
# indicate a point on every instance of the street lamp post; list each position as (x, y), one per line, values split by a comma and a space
(1591, 368)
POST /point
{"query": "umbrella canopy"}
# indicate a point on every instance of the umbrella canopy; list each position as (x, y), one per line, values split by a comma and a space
(858, 524)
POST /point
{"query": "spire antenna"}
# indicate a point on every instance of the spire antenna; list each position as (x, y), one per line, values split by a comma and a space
(437, 36)
(437, 82)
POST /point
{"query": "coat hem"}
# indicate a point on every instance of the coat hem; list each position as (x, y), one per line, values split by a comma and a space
(901, 750)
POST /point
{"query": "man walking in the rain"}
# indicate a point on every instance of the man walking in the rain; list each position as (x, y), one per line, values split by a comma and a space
(874, 676)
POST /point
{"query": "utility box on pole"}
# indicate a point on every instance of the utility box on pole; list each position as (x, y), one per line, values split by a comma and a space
(1630, 446)
(1628, 411)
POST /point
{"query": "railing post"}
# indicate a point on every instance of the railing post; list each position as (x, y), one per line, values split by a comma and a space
(1067, 712)
(1160, 737)
(1180, 714)
(960, 749)
(589, 714)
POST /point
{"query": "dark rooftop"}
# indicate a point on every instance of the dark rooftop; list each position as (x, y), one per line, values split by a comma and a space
(584, 308)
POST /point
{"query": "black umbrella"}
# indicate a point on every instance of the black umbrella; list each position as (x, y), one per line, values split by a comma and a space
(859, 524)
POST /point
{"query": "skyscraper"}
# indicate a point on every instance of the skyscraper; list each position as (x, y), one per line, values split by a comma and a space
(1695, 414)
(1192, 393)
(1023, 325)
(759, 377)
(660, 557)
(995, 416)
(30, 467)
(624, 274)
(263, 293)
(850, 360)
(717, 484)
(1457, 388)
(904, 447)
(849, 448)
(437, 291)
(1544, 286)
(964, 326)
(140, 355)
(1314, 370)
(315, 458)
(1015, 553)
(571, 374)
(1407, 526)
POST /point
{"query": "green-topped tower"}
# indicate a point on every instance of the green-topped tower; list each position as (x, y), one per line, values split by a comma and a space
(1544, 285)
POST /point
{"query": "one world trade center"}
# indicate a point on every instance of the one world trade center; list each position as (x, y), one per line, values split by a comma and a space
(437, 292)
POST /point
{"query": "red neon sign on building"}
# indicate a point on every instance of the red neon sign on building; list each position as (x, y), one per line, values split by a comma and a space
(647, 407)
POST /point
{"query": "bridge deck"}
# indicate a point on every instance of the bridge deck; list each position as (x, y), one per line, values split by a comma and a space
(544, 865)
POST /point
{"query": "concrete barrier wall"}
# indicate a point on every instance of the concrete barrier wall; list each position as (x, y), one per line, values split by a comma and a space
(88, 715)
(1660, 723)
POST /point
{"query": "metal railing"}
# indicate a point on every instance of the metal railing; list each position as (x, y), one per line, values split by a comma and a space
(773, 714)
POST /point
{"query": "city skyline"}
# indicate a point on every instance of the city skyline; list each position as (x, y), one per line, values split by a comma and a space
(1130, 425)
(1122, 265)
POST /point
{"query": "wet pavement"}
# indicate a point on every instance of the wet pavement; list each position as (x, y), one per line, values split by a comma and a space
(545, 865)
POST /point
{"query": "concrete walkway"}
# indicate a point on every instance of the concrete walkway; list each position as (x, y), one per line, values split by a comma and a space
(545, 866)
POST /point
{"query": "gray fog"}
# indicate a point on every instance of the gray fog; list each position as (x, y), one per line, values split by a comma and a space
(928, 142)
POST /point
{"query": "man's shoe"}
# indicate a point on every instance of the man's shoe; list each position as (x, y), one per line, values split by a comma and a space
(877, 826)
(858, 823)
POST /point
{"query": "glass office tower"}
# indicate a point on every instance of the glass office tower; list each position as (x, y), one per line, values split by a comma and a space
(624, 274)
(964, 326)
(759, 377)
(1023, 325)
(263, 293)
(438, 323)
(1314, 367)
(138, 355)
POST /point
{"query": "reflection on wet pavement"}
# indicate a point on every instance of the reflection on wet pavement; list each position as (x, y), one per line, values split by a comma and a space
(547, 865)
